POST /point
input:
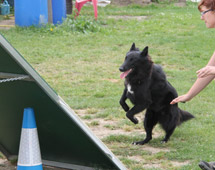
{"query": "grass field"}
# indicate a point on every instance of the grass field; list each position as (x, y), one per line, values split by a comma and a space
(80, 60)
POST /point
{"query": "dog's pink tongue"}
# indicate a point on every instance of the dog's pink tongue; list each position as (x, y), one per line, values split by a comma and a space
(124, 74)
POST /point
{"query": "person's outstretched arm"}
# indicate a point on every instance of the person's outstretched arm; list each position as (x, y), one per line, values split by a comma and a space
(205, 76)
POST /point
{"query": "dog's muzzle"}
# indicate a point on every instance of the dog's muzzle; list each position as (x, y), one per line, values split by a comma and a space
(122, 69)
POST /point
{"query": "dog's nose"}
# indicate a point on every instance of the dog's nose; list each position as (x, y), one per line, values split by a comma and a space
(121, 69)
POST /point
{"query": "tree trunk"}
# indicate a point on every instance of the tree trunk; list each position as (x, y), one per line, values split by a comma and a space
(69, 6)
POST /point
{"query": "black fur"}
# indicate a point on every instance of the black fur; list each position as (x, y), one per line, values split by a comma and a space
(147, 88)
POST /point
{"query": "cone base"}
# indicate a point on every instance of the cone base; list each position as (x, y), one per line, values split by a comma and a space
(38, 167)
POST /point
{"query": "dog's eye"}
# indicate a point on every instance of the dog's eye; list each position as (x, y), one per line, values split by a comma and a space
(131, 59)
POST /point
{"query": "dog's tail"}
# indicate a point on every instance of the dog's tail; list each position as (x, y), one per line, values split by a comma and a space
(184, 116)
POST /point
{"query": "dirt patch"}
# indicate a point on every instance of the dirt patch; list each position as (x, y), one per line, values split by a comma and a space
(178, 164)
(147, 164)
(7, 23)
(101, 128)
(158, 164)
(6, 165)
(180, 4)
(127, 17)
(155, 150)
(129, 2)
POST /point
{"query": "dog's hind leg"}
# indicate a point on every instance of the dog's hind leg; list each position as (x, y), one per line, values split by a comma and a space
(149, 122)
(170, 122)
(134, 110)
(168, 134)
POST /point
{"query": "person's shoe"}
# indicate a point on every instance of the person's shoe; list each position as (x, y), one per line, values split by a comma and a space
(207, 165)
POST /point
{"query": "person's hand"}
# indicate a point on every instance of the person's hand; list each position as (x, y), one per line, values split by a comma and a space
(182, 99)
(206, 71)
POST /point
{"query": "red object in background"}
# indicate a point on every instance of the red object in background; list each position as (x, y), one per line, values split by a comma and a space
(79, 4)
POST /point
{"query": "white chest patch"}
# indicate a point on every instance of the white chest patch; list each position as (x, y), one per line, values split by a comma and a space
(129, 89)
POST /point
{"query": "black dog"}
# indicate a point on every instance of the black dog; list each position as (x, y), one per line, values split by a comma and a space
(147, 88)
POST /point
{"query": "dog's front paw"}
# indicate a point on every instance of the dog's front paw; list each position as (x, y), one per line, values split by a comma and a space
(132, 118)
(163, 141)
(142, 142)
(138, 143)
(135, 120)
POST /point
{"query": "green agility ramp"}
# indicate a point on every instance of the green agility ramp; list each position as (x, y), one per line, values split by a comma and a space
(65, 141)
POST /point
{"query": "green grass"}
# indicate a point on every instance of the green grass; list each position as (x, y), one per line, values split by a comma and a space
(81, 62)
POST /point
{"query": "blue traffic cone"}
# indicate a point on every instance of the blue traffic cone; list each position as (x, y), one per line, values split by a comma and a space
(29, 157)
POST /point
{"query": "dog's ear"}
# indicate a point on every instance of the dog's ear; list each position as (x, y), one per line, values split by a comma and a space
(145, 51)
(133, 48)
